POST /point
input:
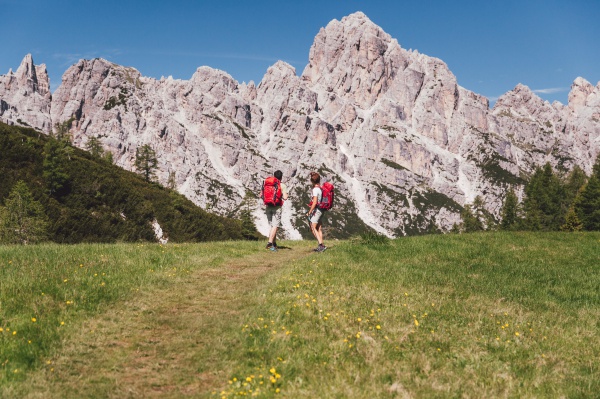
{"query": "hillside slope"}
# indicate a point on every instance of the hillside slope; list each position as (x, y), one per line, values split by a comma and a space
(101, 202)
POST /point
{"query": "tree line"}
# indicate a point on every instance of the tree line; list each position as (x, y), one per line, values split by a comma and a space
(551, 202)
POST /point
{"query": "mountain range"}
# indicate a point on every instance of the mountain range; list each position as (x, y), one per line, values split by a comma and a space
(404, 144)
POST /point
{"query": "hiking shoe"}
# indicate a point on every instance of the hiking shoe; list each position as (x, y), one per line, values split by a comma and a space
(273, 248)
(321, 248)
(269, 245)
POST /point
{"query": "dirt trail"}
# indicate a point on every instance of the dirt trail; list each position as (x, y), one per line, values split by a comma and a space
(166, 342)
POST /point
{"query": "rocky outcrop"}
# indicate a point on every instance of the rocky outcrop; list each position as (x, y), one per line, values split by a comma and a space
(405, 145)
(25, 96)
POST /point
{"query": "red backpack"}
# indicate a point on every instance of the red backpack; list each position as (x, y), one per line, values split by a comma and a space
(271, 192)
(327, 197)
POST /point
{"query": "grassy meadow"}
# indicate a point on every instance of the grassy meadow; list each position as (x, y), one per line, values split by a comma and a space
(472, 315)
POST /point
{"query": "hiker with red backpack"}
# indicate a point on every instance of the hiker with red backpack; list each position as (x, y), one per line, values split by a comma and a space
(322, 201)
(274, 192)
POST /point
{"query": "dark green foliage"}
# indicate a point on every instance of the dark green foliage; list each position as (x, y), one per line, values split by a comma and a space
(474, 218)
(146, 162)
(587, 205)
(248, 227)
(494, 172)
(392, 164)
(94, 146)
(171, 183)
(103, 203)
(544, 203)
(574, 182)
(510, 211)
(56, 157)
(486, 218)
(572, 222)
(470, 222)
(22, 221)
(113, 101)
(62, 131)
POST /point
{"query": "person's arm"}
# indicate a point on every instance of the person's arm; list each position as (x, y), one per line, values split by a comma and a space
(313, 205)
(285, 193)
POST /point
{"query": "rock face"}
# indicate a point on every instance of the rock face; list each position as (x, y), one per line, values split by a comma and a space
(405, 145)
(25, 96)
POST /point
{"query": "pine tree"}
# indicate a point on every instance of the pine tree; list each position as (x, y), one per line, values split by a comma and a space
(572, 222)
(171, 183)
(55, 158)
(108, 157)
(146, 162)
(544, 203)
(510, 211)
(470, 222)
(94, 146)
(484, 216)
(574, 182)
(23, 220)
(62, 131)
(587, 204)
(248, 227)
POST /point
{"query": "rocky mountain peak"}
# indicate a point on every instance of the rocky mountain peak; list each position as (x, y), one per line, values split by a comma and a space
(26, 70)
(353, 58)
(35, 78)
(25, 96)
(580, 90)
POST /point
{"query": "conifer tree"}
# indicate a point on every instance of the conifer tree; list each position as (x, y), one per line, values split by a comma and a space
(108, 157)
(54, 164)
(455, 229)
(574, 182)
(94, 146)
(484, 216)
(572, 222)
(544, 203)
(171, 183)
(23, 220)
(146, 162)
(470, 222)
(587, 205)
(509, 213)
(62, 131)
(248, 227)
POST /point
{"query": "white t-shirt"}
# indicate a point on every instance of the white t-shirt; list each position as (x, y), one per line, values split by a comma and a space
(316, 192)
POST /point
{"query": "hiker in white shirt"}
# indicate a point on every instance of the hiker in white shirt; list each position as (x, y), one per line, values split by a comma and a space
(315, 215)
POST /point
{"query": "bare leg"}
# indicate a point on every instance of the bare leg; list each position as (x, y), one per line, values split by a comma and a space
(317, 232)
(272, 234)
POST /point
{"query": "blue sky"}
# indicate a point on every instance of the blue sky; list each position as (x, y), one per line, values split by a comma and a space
(490, 46)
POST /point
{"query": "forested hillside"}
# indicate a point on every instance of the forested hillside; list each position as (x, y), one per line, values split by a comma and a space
(85, 198)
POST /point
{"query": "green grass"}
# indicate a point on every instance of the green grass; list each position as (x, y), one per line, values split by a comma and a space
(47, 290)
(491, 315)
(482, 315)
